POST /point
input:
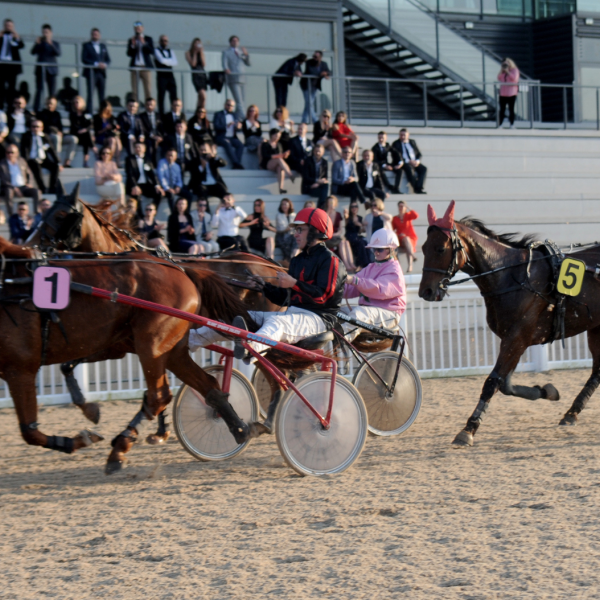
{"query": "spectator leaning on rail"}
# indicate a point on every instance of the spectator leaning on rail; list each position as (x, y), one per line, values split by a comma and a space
(94, 55)
(47, 50)
(10, 62)
(140, 49)
(316, 69)
(284, 77)
(409, 158)
(235, 60)
(380, 287)
(509, 73)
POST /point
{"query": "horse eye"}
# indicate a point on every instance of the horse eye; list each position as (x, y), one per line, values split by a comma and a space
(440, 250)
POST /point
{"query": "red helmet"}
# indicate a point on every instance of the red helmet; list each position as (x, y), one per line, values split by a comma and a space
(318, 218)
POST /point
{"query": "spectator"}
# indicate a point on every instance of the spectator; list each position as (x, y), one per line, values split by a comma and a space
(16, 179)
(66, 94)
(344, 177)
(370, 178)
(315, 70)
(183, 143)
(173, 116)
(284, 236)
(197, 61)
(403, 226)
(355, 235)
(37, 150)
(10, 63)
(300, 149)
(203, 228)
(3, 142)
(257, 222)
(235, 61)
(337, 243)
(389, 162)
(141, 179)
(47, 50)
(19, 120)
(314, 176)
(153, 129)
(169, 176)
(323, 135)
(309, 204)
(272, 158)
(251, 128)
(410, 156)
(284, 77)
(508, 93)
(43, 207)
(199, 127)
(165, 60)
(95, 55)
(150, 229)
(206, 179)
(130, 126)
(281, 121)
(343, 134)
(20, 224)
(52, 121)
(180, 229)
(227, 221)
(140, 49)
(377, 219)
(109, 181)
(80, 133)
(226, 126)
(106, 130)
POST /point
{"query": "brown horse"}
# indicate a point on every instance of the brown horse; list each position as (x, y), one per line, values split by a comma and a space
(516, 279)
(94, 326)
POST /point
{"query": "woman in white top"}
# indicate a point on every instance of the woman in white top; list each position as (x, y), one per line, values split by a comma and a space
(284, 237)
(203, 229)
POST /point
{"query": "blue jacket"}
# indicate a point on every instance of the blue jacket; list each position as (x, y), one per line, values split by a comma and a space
(46, 53)
(89, 56)
(176, 180)
(220, 124)
(337, 173)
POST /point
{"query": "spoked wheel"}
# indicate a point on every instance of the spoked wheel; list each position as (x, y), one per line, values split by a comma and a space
(306, 446)
(263, 391)
(389, 415)
(199, 428)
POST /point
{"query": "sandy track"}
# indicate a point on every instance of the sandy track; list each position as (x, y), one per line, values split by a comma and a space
(516, 516)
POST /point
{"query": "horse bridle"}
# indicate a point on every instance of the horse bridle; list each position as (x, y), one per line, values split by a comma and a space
(69, 230)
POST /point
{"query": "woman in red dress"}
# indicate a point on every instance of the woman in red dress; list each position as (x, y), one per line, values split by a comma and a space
(403, 226)
(343, 134)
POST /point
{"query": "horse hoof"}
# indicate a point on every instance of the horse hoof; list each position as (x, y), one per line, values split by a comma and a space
(91, 411)
(154, 439)
(88, 437)
(114, 466)
(551, 392)
(464, 438)
(569, 419)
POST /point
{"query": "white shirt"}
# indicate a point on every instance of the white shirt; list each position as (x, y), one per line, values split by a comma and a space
(408, 152)
(37, 148)
(19, 123)
(139, 57)
(165, 56)
(227, 221)
(6, 53)
(248, 125)
(347, 167)
(369, 176)
(96, 46)
(230, 124)
(16, 177)
(140, 164)
(282, 222)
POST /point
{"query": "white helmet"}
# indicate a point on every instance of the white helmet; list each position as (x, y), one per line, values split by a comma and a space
(384, 238)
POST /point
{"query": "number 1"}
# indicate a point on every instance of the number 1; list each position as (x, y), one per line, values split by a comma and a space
(54, 280)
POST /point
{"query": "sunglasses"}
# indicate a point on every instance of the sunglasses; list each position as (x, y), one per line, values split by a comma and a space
(379, 250)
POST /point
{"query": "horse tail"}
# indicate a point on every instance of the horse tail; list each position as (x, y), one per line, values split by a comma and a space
(14, 251)
(219, 300)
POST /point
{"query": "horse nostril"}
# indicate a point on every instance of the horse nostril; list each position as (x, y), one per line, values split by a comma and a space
(426, 294)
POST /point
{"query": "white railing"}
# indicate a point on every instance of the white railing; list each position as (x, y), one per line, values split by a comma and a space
(445, 339)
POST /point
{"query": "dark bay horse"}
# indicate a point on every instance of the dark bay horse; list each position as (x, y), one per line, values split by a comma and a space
(94, 326)
(520, 299)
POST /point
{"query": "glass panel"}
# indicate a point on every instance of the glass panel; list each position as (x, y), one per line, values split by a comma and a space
(489, 7)
(376, 8)
(461, 6)
(415, 25)
(510, 7)
(589, 76)
(588, 6)
(553, 8)
(460, 56)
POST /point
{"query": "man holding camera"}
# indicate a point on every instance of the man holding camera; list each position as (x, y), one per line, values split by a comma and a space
(140, 49)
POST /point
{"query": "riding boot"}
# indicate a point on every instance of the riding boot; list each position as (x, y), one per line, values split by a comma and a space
(268, 423)
(238, 349)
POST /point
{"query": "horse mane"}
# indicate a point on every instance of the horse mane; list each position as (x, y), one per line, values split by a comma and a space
(13, 251)
(104, 214)
(510, 239)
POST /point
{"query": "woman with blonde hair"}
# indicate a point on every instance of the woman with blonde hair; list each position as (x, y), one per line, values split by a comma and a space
(509, 74)
(109, 181)
(377, 219)
(281, 120)
(323, 135)
(197, 61)
(251, 128)
(343, 134)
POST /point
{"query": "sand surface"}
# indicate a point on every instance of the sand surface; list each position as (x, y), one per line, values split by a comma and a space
(516, 516)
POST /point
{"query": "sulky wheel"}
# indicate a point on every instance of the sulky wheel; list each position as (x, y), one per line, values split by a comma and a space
(199, 428)
(263, 391)
(306, 446)
(389, 415)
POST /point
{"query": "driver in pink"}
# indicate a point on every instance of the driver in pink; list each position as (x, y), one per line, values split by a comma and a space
(380, 287)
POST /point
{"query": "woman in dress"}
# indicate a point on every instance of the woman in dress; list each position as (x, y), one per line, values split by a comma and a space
(80, 132)
(257, 222)
(199, 127)
(355, 235)
(180, 229)
(272, 158)
(251, 129)
(196, 60)
(343, 134)
(109, 181)
(106, 130)
(281, 121)
(323, 135)
(150, 229)
(284, 236)
(402, 224)
(337, 243)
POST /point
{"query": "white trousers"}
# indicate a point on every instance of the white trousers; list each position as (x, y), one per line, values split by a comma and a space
(289, 327)
(371, 315)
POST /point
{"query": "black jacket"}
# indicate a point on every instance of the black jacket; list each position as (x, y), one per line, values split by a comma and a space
(16, 45)
(26, 143)
(168, 122)
(147, 125)
(320, 278)
(46, 53)
(316, 70)
(190, 149)
(132, 173)
(51, 119)
(310, 174)
(289, 67)
(361, 169)
(387, 156)
(397, 146)
(147, 52)
(198, 177)
(89, 56)
(297, 152)
(124, 123)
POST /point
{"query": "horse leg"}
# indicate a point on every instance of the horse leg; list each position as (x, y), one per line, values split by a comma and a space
(276, 394)
(592, 383)
(23, 392)
(90, 410)
(162, 432)
(548, 392)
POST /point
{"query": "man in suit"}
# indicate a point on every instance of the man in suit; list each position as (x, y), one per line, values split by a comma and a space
(170, 178)
(140, 49)
(314, 176)
(176, 114)
(20, 224)
(284, 77)
(317, 70)
(16, 179)
(389, 162)
(141, 179)
(300, 149)
(52, 121)
(165, 60)
(410, 157)
(47, 50)
(235, 60)
(344, 177)
(184, 145)
(153, 129)
(37, 150)
(370, 179)
(226, 126)
(131, 127)
(18, 120)
(206, 179)
(10, 59)
(95, 55)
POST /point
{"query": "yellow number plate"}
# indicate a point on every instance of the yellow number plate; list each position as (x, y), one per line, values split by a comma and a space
(570, 278)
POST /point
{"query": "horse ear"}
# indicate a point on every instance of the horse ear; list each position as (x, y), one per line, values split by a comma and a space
(60, 190)
(431, 218)
(74, 195)
(449, 216)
